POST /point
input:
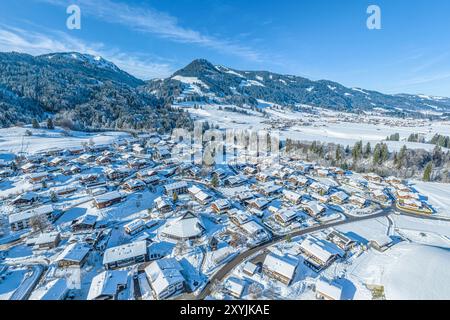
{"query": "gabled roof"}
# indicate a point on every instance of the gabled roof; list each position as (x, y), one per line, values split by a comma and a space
(124, 252)
(284, 266)
(106, 284)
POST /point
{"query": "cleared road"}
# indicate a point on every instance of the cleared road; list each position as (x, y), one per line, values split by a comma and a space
(226, 269)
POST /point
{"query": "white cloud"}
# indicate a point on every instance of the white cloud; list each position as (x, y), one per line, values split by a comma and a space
(148, 20)
(36, 43)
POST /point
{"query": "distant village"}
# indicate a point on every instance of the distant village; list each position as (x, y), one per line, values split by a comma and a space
(130, 221)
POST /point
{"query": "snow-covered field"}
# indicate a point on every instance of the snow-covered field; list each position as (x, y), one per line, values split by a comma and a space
(406, 271)
(13, 140)
(438, 195)
(328, 127)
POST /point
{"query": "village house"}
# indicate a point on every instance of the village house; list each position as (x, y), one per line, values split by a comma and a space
(393, 180)
(66, 190)
(239, 217)
(313, 208)
(57, 161)
(235, 287)
(269, 189)
(235, 181)
(256, 232)
(179, 187)
(328, 291)
(258, 203)
(85, 223)
(75, 150)
(250, 268)
(161, 153)
(380, 195)
(38, 177)
(108, 199)
(341, 240)
(285, 217)
(74, 255)
(70, 170)
(165, 277)
(292, 197)
(250, 170)
(22, 220)
(299, 180)
(373, 177)
(125, 255)
(199, 195)
(99, 148)
(103, 160)
(55, 290)
(48, 240)
(138, 149)
(134, 185)
(319, 253)
(358, 201)
(322, 172)
(187, 227)
(319, 188)
(108, 285)
(137, 164)
(280, 268)
(29, 167)
(85, 158)
(146, 173)
(220, 206)
(118, 173)
(262, 177)
(25, 199)
(134, 226)
(89, 178)
(339, 197)
(163, 204)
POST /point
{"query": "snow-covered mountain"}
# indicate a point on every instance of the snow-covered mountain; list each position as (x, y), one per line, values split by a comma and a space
(203, 80)
(94, 93)
(86, 90)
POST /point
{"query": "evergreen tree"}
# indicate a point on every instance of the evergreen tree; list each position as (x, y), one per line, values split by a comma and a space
(215, 181)
(367, 150)
(427, 172)
(50, 124)
(35, 124)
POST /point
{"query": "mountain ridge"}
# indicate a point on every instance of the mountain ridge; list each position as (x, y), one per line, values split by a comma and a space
(238, 86)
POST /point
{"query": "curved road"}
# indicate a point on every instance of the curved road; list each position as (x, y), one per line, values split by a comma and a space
(226, 269)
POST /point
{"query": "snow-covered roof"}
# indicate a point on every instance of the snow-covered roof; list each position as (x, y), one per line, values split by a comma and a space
(235, 286)
(252, 227)
(186, 227)
(55, 290)
(163, 273)
(124, 252)
(107, 283)
(291, 195)
(320, 248)
(331, 290)
(108, 197)
(74, 252)
(314, 206)
(341, 195)
(20, 216)
(47, 237)
(175, 186)
(284, 266)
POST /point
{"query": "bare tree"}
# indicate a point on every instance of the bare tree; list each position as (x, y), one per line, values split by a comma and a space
(39, 223)
(255, 291)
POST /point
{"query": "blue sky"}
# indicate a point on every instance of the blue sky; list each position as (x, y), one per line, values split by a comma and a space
(318, 39)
